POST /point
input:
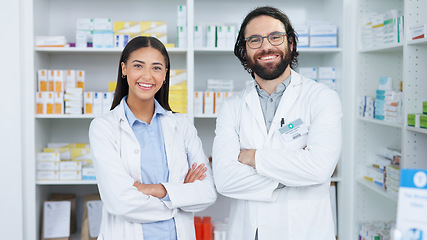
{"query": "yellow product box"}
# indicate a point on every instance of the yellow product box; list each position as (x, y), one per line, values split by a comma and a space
(136, 27)
(82, 155)
(51, 80)
(88, 102)
(80, 79)
(112, 86)
(40, 106)
(48, 156)
(64, 152)
(178, 76)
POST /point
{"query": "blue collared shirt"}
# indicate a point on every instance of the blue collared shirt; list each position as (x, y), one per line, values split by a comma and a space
(154, 165)
(269, 103)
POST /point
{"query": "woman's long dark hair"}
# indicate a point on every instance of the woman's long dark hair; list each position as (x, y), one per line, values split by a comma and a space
(240, 46)
(122, 88)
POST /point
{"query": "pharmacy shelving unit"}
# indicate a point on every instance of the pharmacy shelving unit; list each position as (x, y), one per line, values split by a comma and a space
(402, 62)
(58, 17)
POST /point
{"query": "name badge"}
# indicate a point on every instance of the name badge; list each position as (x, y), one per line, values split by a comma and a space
(293, 130)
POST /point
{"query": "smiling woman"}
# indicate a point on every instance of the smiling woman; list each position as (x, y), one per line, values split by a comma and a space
(149, 161)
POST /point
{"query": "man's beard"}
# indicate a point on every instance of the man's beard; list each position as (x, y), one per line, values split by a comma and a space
(270, 71)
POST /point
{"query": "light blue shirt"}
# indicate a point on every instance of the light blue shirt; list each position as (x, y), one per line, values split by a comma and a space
(154, 165)
(269, 103)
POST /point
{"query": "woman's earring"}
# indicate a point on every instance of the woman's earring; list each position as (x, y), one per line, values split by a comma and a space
(123, 76)
(164, 82)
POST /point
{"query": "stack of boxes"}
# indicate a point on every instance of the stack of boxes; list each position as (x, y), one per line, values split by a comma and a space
(126, 30)
(181, 27)
(302, 32)
(375, 230)
(325, 75)
(215, 36)
(323, 36)
(384, 171)
(381, 29)
(84, 32)
(417, 119)
(178, 91)
(65, 162)
(209, 102)
(102, 33)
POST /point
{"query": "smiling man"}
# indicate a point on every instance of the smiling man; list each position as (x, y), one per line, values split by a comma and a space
(278, 141)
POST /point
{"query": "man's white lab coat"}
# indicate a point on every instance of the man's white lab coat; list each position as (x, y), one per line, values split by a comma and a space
(116, 156)
(302, 209)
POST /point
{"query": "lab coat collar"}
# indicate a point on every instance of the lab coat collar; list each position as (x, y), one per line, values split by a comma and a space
(288, 99)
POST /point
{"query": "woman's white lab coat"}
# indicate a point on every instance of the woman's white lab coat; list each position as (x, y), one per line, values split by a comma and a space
(302, 209)
(116, 156)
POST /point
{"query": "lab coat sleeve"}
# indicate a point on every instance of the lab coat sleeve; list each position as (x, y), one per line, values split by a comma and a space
(315, 164)
(115, 185)
(196, 196)
(232, 178)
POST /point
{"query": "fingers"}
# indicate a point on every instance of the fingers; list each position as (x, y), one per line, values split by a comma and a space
(195, 173)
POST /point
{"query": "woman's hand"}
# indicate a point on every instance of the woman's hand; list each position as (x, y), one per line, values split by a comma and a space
(196, 173)
(155, 190)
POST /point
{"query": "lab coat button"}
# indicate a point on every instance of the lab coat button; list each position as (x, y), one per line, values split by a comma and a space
(136, 151)
(271, 99)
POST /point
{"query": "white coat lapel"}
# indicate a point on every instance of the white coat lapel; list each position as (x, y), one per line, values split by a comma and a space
(252, 100)
(168, 129)
(289, 98)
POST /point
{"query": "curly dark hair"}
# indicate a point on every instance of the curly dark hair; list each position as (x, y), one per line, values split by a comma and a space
(240, 46)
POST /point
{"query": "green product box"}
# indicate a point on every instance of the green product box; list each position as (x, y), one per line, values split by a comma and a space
(423, 121)
(411, 120)
(425, 107)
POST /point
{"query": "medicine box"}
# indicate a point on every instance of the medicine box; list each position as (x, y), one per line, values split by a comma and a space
(418, 31)
(47, 175)
(48, 156)
(70, 175)
(42, 80)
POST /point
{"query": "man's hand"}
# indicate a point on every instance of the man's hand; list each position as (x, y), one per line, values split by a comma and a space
(247, 157)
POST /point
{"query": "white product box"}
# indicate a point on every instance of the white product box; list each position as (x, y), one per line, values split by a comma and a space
(211, 36)
(121, 40)
(51, 41)
(70, 175)
(103, 39)
(80, 79)
(48, 156)
(97, 103)
(58, 101)
(73, 111)
(107, 100)
(49, 101)
(221, 36)
(70, 165)
(418, 31)
(47, 166)
(181, 37)
(219, 99)
(51, 80)
(198, 36)
(47, 175)
(302, 32)
(59, 80)
(182, 15)
(208, 102)
(329, 82)
(40, 105)
(102, 24)
(198, 103)
(84, 24)
(309, 72)
(73, 104)
(230, 36)
(228, 94)
(88, 102)
(70, 79)
(82, 38)
(323, 30)
(42, 81)
(327, 72)
(88, 173)
(323, 41)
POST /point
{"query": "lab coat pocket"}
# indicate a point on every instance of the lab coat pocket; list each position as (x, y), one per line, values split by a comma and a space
(298, 143)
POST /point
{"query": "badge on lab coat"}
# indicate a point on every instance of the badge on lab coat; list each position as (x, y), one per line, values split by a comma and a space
(293, 130)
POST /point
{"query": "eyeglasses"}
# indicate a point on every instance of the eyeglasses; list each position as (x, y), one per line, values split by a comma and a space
(274, 38)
